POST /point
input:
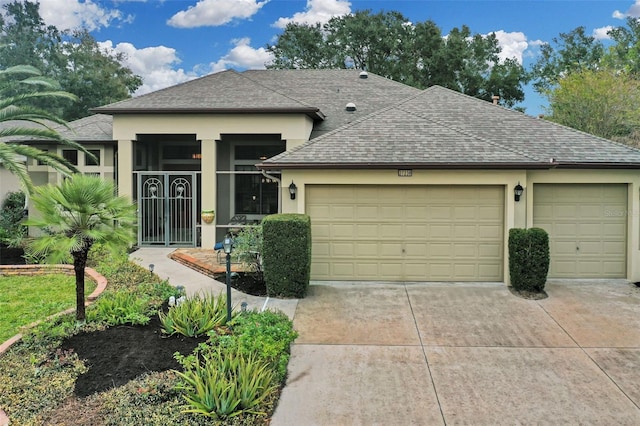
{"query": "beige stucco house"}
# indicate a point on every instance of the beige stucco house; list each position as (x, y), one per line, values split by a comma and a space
(401, 184)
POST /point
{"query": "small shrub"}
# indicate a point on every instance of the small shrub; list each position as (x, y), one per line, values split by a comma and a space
(268, 335)
(287, 254)
(195, 316)
(12, 231)
(120, 307)
(224, 385)
(528, 259)
(248, 248)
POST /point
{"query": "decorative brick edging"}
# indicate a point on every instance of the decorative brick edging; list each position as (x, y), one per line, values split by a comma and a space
(92, 274)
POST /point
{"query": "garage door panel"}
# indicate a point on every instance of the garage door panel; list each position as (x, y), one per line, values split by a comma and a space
(441, 250)
(321, 249)
(465, 212)
(416, 249)
(343, 212)
(464, 232)
(487, 272)
(365, 231)
(466, 271)
(487, 251)
(439, 212)
(388, 230)
(415, 233)
(490, 232)
(586, 241)
(390, 249)
(440, 231)
(340, 230)
(344, 249)
(466, 251)
(489, 213)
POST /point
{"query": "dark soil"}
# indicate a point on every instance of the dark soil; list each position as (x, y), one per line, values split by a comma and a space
(119, 354)
(11, 256)
(246, 282)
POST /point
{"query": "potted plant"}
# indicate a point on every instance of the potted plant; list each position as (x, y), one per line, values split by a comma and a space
(208, 215)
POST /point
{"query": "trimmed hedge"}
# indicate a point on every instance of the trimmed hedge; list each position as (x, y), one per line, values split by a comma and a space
(528, 258)
(287, 254)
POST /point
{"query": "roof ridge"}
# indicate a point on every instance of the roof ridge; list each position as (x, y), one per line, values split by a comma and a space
(275, 90)
(529, 117)
(343, 127)
(164, 89)
(611, 141)
(480, 138)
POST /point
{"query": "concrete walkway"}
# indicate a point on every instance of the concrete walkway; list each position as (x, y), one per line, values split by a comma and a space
(194, 282)
(433, 354)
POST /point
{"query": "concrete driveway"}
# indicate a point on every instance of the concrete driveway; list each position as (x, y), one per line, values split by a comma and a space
(429, 354)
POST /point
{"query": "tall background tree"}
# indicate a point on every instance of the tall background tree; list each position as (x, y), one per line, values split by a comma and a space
(75, 215)
(591, 86)
(417, 54)
(74, 59)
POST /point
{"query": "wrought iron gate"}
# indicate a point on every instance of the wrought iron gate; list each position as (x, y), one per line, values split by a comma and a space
(166, 208)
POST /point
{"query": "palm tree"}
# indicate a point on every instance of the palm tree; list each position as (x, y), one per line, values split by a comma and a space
(74, 215)
(20, 86)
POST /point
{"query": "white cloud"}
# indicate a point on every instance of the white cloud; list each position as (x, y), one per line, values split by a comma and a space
(243, 56)
(317, 11)
(215, 13)
(153, 64)
(513, 44)
(602, 33)
(634, 11)
(69, 14)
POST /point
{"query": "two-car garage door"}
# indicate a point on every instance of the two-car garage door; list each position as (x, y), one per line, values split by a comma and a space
(407, 233)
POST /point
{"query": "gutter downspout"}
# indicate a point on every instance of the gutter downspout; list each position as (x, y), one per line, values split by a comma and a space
(268, 176)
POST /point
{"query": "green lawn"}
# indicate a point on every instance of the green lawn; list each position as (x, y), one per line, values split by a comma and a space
(28, 298)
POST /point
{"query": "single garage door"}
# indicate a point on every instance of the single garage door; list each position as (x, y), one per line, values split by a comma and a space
(406, 233)
(587, 226)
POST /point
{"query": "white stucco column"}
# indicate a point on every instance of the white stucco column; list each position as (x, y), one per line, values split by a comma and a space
(208, 190)
(125, 168)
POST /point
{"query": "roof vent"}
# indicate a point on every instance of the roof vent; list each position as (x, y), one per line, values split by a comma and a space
(495, 99)
(364, 74)
(350, 107)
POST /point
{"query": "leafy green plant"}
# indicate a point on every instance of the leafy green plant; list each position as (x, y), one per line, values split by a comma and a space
(12, 231)
(248, 248)
(224, 385)
(268, 335)
(195, 315)
(120, 307)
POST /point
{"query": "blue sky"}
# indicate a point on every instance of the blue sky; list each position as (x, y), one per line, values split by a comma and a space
(171, 41)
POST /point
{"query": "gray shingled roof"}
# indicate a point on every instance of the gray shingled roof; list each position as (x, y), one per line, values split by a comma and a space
(224, 92)
(94, 128)
(323, 94)
(441, 128)
(332, 90)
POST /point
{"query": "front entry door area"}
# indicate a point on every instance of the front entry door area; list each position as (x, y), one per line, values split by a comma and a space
(166, 208)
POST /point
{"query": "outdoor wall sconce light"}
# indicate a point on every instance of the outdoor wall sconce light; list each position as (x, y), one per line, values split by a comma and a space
(227, 246)
(517, 191)
(293, 190)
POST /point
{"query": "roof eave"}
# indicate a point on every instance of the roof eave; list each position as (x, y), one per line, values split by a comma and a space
(314, 113)
(415, 166)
